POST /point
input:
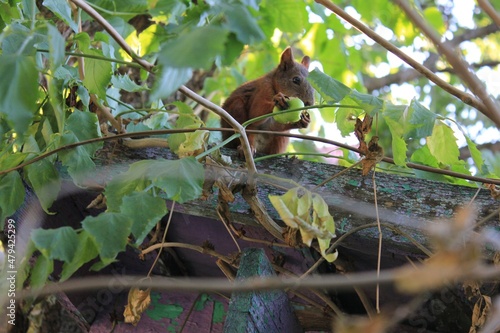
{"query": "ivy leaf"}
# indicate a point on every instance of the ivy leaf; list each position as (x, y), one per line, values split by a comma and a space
(110, 232)
(41, 271)
(190, 50)
(330, 89)
(63, 11)
(46, 182)
(18, 93)
(443, 144)
(85, 251)
(60, 243)
(11, 195)
(152, 209)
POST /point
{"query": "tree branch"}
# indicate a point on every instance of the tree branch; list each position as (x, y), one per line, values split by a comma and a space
(492, 109)
(464, 97)
(409, 74)
(488, 9)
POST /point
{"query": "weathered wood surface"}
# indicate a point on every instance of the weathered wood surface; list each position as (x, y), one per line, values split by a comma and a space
(410, 204)
(259, 312)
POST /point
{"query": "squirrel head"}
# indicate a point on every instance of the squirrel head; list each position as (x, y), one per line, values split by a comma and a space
(290, 78)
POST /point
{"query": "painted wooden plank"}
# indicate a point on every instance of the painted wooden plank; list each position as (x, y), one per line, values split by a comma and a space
(259, 312)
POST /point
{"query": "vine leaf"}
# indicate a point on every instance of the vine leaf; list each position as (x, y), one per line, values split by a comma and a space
(86, 250)
(308, 212)
(63, 11)
(11, 194)
(181, 180)
(41, 271)
(152, 210)
(45, 180)
(16, 104)
(110, 232)
(443, 144)
(60, 243)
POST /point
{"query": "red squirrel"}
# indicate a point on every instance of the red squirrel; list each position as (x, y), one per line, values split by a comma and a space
(259, 97)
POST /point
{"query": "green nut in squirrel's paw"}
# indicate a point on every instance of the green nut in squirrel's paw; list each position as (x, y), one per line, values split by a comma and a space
(290, 117)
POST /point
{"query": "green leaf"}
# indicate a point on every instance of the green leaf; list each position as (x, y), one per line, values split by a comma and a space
(370, 104)
(60, 243)
(435, 19)
(287, 15)
(56, 47)
(190, 50)
(109, 232)
(18, 94)
(420, 119)
(41, 271)
(181, 180)
(242, 23)
(330, 89)
(97, 74)
(170, 79)
(11, 195)
(443, 144)
(85, 251)
(85, 126)
(476, 155)
(399, 150)
(45, 180)
(186, 119)
(79, 163)
(124, 82)
(145, 210)
(63, 11)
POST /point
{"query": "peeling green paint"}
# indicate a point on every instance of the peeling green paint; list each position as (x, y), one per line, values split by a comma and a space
(219, 312)
(158, 311)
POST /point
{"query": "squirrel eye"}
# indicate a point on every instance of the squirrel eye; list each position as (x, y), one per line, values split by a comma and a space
(296, 80)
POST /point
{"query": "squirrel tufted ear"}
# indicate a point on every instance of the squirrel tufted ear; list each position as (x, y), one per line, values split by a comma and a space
(306, 61)
(287, 59)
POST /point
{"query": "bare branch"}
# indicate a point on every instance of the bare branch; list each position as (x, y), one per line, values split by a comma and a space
(409, 74)
(464, 97)
(492, 109)
(488, 9)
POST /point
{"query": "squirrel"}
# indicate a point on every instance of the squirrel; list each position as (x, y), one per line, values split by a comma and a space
(259, 97)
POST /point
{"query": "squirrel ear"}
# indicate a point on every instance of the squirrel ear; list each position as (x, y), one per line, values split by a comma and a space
(306, 61)
(287, 61)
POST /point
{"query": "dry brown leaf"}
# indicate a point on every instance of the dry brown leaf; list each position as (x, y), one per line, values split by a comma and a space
(378, 324)
(138, 302)
(472, 289)
(361, 128)
(374, 154)
(495, 191)
(480, 313)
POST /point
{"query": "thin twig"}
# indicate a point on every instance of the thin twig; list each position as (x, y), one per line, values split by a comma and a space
(380, 238)
(162, 239)
(192, 284)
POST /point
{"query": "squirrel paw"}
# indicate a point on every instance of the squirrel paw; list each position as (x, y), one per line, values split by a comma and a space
(305, 120)
(280, 101)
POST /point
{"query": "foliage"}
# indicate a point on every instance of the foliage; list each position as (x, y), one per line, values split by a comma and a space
(58, 76)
